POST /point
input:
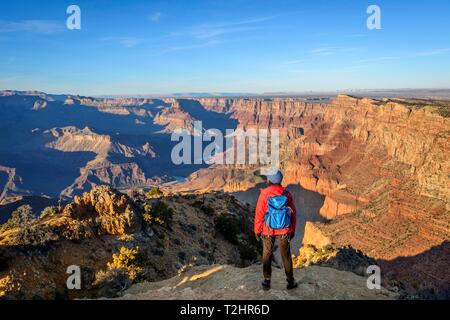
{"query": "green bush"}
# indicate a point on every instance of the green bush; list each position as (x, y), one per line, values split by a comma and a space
(247, 252)
(197, 203)
(228, 227)
(29, 231)
(209, 211)
(49, 212)
(158, 213)
(20, 217)
(200, 204)
(154, 193)
(128, 259)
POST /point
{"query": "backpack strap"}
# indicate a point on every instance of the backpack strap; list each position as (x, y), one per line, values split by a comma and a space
(286, 193)
(268, 227)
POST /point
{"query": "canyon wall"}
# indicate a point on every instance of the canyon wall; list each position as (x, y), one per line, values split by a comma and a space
(382, 165)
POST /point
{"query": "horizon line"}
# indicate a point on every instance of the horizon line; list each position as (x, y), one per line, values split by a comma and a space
(230, 93)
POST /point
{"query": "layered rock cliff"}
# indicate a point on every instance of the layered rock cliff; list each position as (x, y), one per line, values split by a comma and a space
(78, 142)
(382, 166)
(173, 118)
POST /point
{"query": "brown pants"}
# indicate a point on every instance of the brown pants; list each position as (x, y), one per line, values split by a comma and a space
(285, 251)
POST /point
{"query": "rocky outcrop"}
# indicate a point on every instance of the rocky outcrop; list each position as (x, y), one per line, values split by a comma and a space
(223, 282)
(313, 236)
(10, 182)
(102, 170)
(72, 139)
(96, 232)
(344, 258)
(115, 213)
(142, 107)
(174, 118)
(40, 104)
(220, 105)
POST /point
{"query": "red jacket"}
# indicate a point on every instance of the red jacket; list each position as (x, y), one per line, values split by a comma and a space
(262, 208)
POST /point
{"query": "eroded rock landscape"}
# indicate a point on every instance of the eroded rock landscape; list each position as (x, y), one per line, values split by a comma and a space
(370, 173)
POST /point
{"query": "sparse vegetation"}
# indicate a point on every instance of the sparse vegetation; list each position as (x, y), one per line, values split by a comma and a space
(236, 231)
(111, 283)
(343, 258)
(154, 193)
(127, 259)
(158, 213)
(228, 227)
(28, 231)
(206, 209)
(247, 253)
(442, 106)
(209, 211)
(136, 194)
(49, 212)
(22, 216)
(180, 235)
(197, 203)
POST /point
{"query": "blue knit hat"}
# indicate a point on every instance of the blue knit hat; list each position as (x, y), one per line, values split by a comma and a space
(274, 175)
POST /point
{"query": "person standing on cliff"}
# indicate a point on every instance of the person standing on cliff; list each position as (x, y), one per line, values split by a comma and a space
(275, 219)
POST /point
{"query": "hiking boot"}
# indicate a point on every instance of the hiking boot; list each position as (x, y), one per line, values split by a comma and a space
(292, 284)
(266, 284)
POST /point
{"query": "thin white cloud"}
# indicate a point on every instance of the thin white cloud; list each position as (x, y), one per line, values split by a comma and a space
(205, 32)
(356, 35)
(127, 42)
(204, 44)
(209, 34)
(211, 30)
(295, 61)
(32, 26)
(155, 16)
(432, 52)
(323, 51)
(328, 51)
(193, 46)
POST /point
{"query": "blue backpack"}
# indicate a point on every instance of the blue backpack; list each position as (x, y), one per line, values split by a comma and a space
(279, 214)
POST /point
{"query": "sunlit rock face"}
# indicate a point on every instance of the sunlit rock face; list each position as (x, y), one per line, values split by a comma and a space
(382, 166)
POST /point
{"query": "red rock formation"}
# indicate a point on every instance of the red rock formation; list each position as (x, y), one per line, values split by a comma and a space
(382, 165)
(174, 118)
(114, 211)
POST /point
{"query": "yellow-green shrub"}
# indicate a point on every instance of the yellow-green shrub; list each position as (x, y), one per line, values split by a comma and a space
(127, 259)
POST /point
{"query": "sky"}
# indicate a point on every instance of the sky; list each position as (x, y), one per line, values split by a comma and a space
(242, 46)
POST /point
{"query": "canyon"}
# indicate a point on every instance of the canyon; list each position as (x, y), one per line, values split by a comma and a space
(381, 164)
(372, 173)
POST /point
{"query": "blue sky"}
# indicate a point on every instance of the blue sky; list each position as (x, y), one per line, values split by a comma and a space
(153, 46)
